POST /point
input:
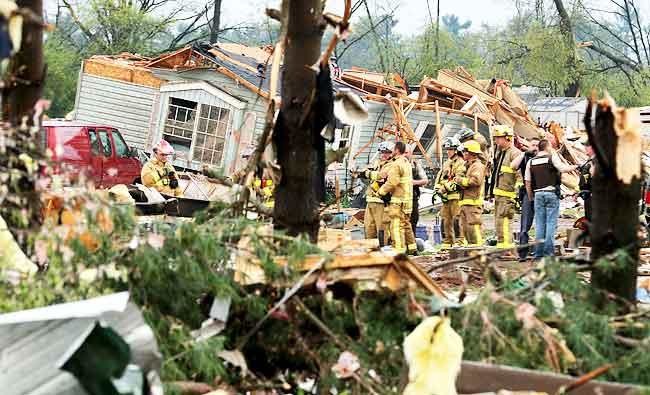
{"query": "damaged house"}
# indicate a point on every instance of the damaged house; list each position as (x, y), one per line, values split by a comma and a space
(209, 102)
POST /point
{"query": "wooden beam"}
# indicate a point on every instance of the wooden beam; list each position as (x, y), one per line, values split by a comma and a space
(438, 135)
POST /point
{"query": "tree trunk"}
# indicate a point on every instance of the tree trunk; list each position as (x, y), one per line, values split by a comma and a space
(615, 218)
(437, 30)
(566, 27)
(216, 21)
(296, 197)
(27, 67)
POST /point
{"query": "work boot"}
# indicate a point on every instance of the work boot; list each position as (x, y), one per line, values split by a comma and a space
(380, 235)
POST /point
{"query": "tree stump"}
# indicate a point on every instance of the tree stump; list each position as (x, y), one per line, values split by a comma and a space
(616, 189)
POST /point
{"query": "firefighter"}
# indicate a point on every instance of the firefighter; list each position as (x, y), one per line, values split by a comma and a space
(158, 173)
(503, 185)
(467, 134)
(374, 215)
(471, 197)
(449, 192)
(398, 191)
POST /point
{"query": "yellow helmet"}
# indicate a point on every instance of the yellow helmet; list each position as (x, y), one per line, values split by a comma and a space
(502, 131)
(472, 146)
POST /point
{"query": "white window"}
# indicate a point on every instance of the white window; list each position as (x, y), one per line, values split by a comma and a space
(342, 137)
(179, 126)
(346, 133)
(428, 136)
(197, 131)
(211, 134)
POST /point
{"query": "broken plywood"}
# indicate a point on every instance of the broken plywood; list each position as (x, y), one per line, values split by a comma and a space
(123, 72)
(368, 269)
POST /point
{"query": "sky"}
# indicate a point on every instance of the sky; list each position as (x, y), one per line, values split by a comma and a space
(412, 15)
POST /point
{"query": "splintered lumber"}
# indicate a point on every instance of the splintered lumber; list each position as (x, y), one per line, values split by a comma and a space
(513, 100)
(616, 189)
(352, 262)
(450, 79)
(438, 136)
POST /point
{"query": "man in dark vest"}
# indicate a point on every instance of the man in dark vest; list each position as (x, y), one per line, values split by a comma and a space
(543, 187)
(527, 206)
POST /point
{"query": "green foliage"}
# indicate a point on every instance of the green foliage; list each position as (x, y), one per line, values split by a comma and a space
(119, 26)
(492, 330)
(63, 63)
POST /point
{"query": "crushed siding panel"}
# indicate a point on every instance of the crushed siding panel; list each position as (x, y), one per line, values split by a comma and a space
(126, 106)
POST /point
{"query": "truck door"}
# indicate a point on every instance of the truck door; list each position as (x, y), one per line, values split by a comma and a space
(96, 157)
(110, 169)
(128, 167)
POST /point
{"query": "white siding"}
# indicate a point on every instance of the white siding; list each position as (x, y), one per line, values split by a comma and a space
(128, 107)
(381, 115)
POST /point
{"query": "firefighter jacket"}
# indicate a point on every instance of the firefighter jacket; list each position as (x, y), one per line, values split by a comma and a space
(399, 183)
(155, 174)
(452, 168)
(504, 177)
(472, 184)
(372, 175)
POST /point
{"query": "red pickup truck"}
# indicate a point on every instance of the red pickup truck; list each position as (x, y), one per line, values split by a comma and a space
(99, 151)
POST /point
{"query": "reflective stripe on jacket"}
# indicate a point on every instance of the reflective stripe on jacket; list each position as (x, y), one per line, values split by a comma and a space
(472, 184)
(399, 183)
(506, 178)
(372, 174)
(155, 174)
(454, 167)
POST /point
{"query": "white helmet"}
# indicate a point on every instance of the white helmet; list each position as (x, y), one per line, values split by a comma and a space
(386, 146)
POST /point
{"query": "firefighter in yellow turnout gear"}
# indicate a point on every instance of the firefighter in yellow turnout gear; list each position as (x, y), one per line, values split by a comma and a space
(158, 173)
(445, 186)
(374, 215)
(504, 184)
(471, 200)
(399, 186)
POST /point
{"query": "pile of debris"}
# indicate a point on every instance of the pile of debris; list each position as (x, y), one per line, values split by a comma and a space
(455, 91)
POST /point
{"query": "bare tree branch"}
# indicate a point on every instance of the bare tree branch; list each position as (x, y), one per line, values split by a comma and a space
(616, 59)
(640, 27)
(89, 35)
(361, 36)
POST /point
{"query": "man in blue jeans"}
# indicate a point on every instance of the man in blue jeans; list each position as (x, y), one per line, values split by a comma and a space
(543, 187)
(527, 207)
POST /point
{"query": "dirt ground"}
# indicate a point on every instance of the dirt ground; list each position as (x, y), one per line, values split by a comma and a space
(450, 279)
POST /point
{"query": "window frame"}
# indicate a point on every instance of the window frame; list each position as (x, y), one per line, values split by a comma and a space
(181, 139)
(106, 132)
(223, 139)
(100, 152)
(116, 135)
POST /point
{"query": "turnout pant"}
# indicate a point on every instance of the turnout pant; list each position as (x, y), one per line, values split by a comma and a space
(373, 219)
(401, 233)
(449, 213)
(504, 209)
(470, 224)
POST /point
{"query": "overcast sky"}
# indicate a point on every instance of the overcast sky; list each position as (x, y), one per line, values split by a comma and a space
(411, 14)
